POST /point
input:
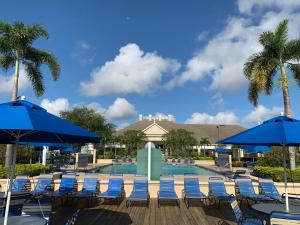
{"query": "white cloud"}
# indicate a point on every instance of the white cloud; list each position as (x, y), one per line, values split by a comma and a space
(246, 6)
(219, 118)
(202, 36)
(84, 53)
(217, 100)
(6, 82)
(55, 106)
(122, 125)
(120, 109)
(261, 113)
(97, 107)
(223, 57)
(131, 71)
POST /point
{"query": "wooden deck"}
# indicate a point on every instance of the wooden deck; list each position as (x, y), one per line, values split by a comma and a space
(167, 214)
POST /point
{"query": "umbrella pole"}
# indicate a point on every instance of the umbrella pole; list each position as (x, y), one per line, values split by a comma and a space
(285, 181)
(11, 175)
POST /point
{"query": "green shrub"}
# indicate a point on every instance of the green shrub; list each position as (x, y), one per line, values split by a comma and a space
(32, 170)
(276, 173)
(203, 158)
(239, 164)
(273, 158)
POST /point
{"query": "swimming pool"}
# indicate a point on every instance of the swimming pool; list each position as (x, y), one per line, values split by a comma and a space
(167, 169)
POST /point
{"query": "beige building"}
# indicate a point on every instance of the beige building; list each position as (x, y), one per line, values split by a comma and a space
(155, 127)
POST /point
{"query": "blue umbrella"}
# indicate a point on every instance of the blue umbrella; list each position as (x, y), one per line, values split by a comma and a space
(70, 149)
(51, 146)
(222, 150)
(22, 121)
(256, 148)
(279, 131)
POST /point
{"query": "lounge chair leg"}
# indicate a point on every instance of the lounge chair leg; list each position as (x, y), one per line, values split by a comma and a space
(178, 203)
(158, 203)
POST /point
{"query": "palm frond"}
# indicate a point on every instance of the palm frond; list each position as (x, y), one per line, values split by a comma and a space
(281, 32)
(295, 68)
(253, 92)
(5, 46)
(266, 38)
(291, 50)
(34, 74)
(249, 65)
(40, 56)
(4, 27)
(35, 31)
(7, 62)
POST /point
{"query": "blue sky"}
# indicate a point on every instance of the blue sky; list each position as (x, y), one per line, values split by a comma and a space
(125, 58)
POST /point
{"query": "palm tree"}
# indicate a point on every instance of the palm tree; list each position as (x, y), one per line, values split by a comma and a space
(16, 48)
(204, 142)
(277, 56)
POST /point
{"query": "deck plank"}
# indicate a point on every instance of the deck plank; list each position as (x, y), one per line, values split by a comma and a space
(140, 214)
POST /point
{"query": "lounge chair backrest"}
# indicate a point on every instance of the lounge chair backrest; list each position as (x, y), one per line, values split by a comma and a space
(217, 186)
(140, 185)
(236, 210)
(90, 184)
(191, 184)
(21, 183)
(268, 187)
(166, 184)
(278, 218)
(245, 187)
(67, 183)
(115, 184)
(44, 184)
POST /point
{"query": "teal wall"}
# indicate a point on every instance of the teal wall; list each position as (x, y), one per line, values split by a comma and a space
(156, 161)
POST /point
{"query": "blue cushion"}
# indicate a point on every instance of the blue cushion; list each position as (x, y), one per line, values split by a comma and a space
(167, 195)
(110, 194)
(138, 195)
(19, 185)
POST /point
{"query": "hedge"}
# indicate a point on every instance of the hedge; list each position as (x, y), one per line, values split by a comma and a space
(276, 173)
(32, 170)
(239, 164)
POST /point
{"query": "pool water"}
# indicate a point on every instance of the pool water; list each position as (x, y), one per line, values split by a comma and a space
(167, 169)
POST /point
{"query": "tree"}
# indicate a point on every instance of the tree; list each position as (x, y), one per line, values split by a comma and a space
(277, 56)
(16, 50)
(90, 120)
(179, 139)
(204, 142)
(133, 139)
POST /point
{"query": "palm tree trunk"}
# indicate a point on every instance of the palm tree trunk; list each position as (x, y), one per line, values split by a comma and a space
(287, 102)
(287, 112)
(9, 147)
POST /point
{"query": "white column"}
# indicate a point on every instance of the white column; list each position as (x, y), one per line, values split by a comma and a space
(149, 160)
(94, 156)
(44, 157)
(287, 207)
